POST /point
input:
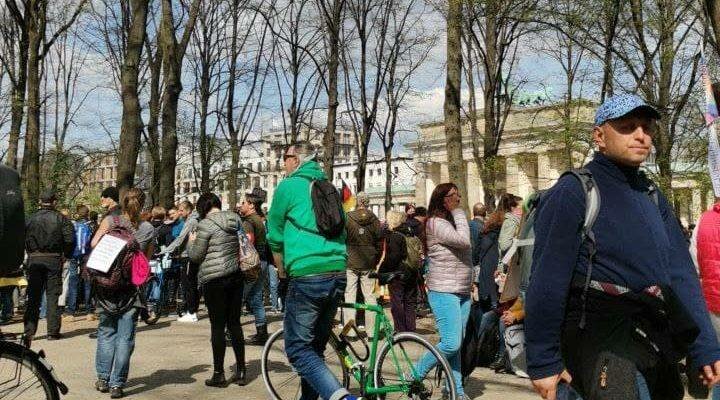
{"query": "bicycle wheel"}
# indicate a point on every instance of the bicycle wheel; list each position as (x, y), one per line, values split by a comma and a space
(23, 375)
(281, 379)
(397, 366)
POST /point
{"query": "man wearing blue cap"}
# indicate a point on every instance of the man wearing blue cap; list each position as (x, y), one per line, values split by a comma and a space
(613, 307)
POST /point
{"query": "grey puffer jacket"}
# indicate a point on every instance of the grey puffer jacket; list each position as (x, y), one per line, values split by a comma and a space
(450, 254)
(216, 246)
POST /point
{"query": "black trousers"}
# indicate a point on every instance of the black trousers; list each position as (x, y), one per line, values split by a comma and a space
(223, 298)
(189, 282)
(43, 273)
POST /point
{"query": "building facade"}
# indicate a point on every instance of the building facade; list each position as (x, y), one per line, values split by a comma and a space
(532, 156)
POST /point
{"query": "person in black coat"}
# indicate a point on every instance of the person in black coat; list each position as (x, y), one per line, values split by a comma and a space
(402, 282)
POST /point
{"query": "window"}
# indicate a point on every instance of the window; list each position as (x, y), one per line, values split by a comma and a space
(397, 170)
(347, 175)
(339, 176)
(259, 166)
(186, 187)
(379, 172)
(221, 185)
(371, 173)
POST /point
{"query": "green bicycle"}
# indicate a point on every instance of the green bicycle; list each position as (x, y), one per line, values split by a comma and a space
(390, 373)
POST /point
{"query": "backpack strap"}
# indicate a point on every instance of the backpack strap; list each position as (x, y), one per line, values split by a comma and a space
(592, 208)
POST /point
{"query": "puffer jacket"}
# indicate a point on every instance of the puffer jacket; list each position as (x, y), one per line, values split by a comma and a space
(216, 246)
(363, 240)
(450, 254)
(708, 256)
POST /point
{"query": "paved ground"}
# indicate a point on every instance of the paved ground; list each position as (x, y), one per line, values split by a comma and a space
(172, 360)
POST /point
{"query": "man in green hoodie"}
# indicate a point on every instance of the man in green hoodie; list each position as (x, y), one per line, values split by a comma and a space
(315, 266)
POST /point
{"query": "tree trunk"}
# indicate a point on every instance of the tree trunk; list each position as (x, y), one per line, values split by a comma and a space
(131, 126)
(153, 125)
(611, 20)
(453, 129)
(17, 108)
(31, 154)
(491, 90)
(205, 146)
(333, 28)
(713, 11)
(388, 179)
(232, 181)
(173, 54)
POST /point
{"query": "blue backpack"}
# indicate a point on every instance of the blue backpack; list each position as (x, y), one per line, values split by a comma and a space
(83, 236)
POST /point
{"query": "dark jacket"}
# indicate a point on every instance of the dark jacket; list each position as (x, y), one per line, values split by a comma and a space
(216, 246)
(639, 244)
(49, 232)
(12, 222)
(395, 252)
(488, 257)
(415, 226)
(363, 240)
(476, 228)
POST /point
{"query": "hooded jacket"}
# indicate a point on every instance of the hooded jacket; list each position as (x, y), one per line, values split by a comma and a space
(708, 256)
(363, 240)
(291, 227)
(216, 246)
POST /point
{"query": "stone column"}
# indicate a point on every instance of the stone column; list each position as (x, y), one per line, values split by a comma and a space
(696, 205)
(474, 184)
(512, 175)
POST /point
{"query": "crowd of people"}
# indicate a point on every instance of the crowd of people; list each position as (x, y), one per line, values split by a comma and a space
(588, 289)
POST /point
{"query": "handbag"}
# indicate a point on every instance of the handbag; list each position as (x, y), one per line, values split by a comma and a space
(248, 257)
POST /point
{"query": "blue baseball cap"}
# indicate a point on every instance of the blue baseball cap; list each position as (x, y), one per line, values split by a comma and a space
(621, 105)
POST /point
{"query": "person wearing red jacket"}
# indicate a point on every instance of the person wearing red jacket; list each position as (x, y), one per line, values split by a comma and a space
(707, 238)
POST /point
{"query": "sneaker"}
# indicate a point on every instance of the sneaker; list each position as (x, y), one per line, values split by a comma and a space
(102, 386)
(56, 336)
(522, 374)
(188, 318)
(116, 393)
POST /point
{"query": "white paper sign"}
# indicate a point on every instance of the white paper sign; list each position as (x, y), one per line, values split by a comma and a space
(104, 254)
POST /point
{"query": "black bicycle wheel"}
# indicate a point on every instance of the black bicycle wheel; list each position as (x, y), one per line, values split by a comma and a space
(23, 376)
(281, 379)
(397, 365)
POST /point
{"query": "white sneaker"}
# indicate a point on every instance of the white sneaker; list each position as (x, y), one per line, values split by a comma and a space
(188, 318)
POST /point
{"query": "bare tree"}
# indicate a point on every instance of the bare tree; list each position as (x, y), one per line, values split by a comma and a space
(205, 59)
(297, 74)
(332, 12)
(173, 52)
(38, 47)
(250, 79)
(408, 47)
(365, 65)
(493, 30)
(14, 61)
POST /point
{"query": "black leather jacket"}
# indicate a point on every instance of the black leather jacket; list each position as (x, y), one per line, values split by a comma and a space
(49, 232)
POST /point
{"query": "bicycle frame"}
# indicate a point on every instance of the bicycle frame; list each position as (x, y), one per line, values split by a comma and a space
(364, 375)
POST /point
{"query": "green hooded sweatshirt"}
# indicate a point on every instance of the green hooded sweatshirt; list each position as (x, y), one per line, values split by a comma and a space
(291, 225)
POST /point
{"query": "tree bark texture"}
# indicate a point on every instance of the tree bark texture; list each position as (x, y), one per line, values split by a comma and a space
(453, 128)
(31, 154)
(173, 54)
(333, 21)
(131, 127)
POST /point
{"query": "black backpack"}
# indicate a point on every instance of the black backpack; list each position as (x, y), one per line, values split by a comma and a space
(327, 207)
(12, 222)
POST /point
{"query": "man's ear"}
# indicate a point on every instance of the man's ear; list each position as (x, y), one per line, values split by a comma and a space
(598, 137)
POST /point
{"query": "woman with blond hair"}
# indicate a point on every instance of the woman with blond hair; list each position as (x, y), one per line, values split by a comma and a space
(119, 308)
(403, 282)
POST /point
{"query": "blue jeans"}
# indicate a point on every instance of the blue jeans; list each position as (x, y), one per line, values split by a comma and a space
(715, 392)
(155, 289)
(274, 283)
(451, 313)
(310, 305)
(115, 345)
(253, 295)
(73, 280)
